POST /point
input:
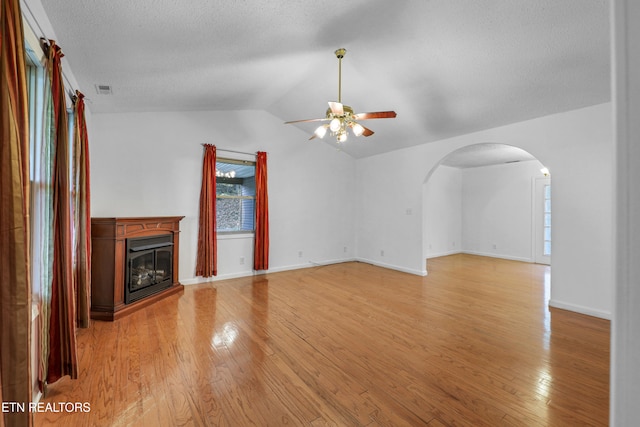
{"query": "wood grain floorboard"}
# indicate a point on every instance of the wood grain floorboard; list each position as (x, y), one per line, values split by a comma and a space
(471, 344)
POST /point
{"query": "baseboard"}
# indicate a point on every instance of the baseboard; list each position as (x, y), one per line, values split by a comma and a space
(580, 309)
(308, 264)
(446, 253)
(501, 256)
(393, 267)
(198, 280)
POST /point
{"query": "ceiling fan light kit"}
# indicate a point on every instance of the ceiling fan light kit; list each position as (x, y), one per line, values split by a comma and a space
(341, 117)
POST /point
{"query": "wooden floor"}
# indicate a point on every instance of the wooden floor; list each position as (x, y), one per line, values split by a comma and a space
(471, 344)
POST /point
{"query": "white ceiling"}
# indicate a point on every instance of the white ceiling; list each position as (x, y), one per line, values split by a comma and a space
(447, 67)
(486, 154)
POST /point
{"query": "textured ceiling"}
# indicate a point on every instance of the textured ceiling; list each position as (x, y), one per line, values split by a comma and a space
(447, 67)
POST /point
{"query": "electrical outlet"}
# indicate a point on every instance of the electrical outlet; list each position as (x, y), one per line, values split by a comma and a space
(300, 254)
(241, 260)
(495, 246)
(381, 252)
(345, 249)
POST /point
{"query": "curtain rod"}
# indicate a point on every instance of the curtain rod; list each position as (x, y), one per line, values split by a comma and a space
(235, 151)
(44, 46)
(30, 20)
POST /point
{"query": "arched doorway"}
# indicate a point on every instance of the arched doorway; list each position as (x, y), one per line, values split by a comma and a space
(488, 199)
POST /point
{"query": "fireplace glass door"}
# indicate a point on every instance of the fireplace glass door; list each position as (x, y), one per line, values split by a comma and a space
(149, 267)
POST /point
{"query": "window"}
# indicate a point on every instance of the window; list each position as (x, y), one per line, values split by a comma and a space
(235, 196)
(547, 220)
(41, 164)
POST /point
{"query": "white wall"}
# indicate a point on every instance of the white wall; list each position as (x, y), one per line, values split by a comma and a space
(625, 375)
(148, 164)
(577, 146)
(442, 207)
(471, 210)
(497, 210)
(312, 186)
(389, 211)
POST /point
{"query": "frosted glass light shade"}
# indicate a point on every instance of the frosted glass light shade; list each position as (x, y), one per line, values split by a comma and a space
(357, 129)
(321, 132)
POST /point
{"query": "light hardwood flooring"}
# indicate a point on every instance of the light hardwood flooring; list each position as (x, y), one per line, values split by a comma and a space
(471, 344)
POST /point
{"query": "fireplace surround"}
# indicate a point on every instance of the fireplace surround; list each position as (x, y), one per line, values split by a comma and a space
(134, 263)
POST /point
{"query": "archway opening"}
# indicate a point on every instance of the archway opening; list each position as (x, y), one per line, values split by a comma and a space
(488, 199)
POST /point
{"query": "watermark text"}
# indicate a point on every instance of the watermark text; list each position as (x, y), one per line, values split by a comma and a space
(45, 407)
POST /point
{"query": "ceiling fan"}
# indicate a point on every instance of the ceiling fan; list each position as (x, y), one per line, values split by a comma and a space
(341, 117)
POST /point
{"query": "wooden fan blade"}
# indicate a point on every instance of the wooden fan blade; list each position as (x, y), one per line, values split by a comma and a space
(355, 127)
(336, 108)
(367, 131)
(306, 120)
(376, 115)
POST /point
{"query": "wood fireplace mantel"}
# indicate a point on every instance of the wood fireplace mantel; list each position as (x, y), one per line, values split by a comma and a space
(108, 262)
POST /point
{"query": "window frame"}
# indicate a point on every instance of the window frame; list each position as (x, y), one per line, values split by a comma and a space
(235, 233)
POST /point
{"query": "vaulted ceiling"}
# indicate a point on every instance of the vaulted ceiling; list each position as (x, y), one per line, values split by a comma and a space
(447, 67)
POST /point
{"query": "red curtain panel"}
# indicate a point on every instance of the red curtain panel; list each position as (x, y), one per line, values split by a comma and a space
(15, 288)
(63, 356)
(261, 242)
(82, 212)
(206, 261)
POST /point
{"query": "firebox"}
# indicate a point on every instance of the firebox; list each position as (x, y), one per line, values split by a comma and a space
(149, 262)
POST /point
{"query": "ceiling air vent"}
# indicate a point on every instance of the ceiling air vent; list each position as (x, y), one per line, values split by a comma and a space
(103, 90)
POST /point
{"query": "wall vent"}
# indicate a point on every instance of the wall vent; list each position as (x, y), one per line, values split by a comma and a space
(103, 90)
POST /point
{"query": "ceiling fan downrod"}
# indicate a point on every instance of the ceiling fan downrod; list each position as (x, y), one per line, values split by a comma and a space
(340, 54)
